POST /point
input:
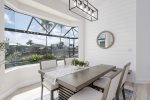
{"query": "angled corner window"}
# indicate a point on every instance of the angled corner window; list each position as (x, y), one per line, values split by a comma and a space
(30, 39)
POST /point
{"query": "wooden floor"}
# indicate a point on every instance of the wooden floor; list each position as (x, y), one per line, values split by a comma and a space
(142, 92)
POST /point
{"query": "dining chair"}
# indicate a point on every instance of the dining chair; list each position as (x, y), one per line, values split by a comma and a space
(102, 82)
(109, 93)
(122, 81)
(68, 61)
(44, 82)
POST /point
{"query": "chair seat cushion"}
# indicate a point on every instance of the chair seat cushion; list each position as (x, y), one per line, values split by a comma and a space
(49, 85)
(87, 94)
(101, 82)
(109, 74)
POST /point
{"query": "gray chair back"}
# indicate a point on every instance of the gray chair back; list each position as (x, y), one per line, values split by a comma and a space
(111, 89)
(124, 74)
(68, 61)
(48, 64)
(123, 78)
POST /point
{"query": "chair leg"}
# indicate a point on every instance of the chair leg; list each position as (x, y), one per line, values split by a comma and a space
(117, 96)
(123, 93)
(42, 92)
(114, 98)
(118, 93)
(52, 95)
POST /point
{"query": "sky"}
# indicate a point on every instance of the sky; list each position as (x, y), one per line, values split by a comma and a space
(20, 21)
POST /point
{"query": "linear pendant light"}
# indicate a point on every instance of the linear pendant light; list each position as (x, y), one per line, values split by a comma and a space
(84, 9)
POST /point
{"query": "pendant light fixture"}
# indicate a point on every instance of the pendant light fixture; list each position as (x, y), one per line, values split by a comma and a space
(84, 9)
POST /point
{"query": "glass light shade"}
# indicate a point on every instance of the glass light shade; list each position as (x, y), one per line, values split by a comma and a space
(85, 8)
(75, 3)
(81, 6)
(89, 12)
(93, 14)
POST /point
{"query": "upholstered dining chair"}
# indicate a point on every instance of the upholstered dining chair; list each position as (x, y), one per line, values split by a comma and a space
(122, 81)
(44, 82)
(102, 82)
(68, 61)
(109, 93)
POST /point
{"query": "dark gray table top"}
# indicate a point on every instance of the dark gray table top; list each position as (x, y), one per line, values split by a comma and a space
(81, 79)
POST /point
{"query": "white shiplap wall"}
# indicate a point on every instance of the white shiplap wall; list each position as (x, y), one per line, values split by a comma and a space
(119, 17)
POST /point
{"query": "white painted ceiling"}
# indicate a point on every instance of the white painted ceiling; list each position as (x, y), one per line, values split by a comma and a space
(47, 9)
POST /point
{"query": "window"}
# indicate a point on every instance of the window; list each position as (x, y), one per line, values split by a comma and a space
(30, 39)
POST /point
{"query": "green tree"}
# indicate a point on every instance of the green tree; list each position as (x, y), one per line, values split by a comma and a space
(61, 26)
(29, 42)
(47, 25)
(2, 48)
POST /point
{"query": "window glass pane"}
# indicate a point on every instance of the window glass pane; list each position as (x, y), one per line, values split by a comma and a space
(36, 27)
(66, 41)
(9, 17)
(73, 48)
(60, 30)
(76, 47)
(16, 20)
(52, 40)
(76, 33)
(66, 46)
(65, 29)
(58, 46)
(22, 21)
(70, 34)
(57, 30)
(77, 30)
(46, 24)
(23, 48)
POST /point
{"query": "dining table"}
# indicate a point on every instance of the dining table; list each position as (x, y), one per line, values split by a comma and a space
(74, 81)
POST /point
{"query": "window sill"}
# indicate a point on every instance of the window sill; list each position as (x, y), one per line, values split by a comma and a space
(21, 67)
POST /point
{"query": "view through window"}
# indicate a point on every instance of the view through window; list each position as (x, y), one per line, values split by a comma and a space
(30, 39)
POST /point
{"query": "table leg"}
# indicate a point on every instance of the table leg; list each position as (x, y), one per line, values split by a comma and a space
(64, 93)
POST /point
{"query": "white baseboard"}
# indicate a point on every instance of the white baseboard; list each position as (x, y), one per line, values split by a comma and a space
(142, 81)
(16, 87)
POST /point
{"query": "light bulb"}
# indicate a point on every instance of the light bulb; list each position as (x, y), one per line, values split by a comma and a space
(81, 7)
(93, 13)
(85, 9)
(75, 3)
(89, 12)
